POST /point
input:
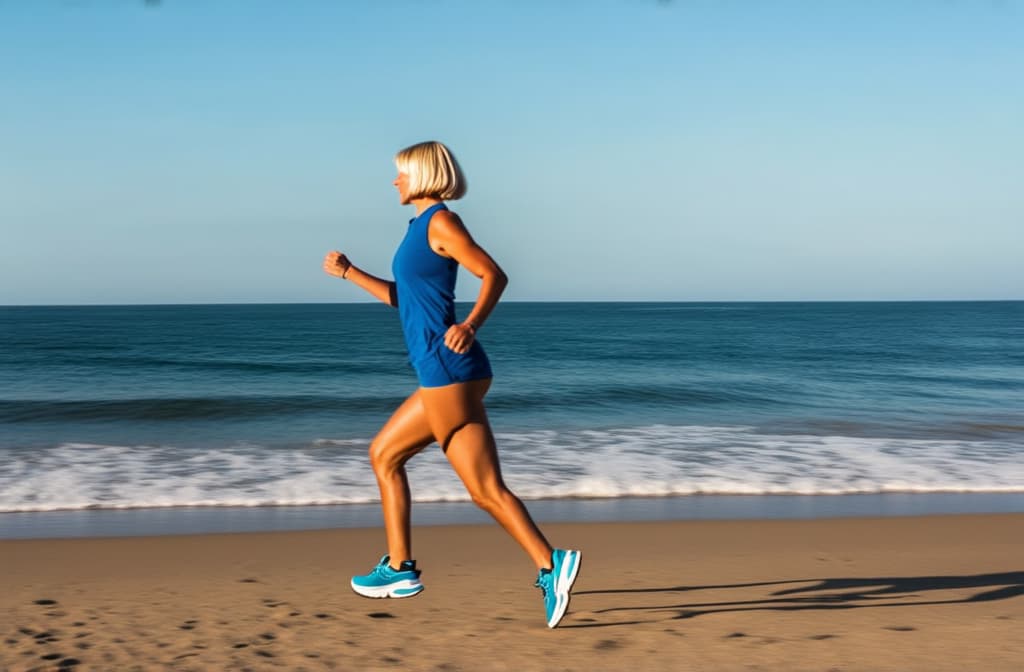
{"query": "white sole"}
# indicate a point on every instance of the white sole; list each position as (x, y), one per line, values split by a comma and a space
(407, 588)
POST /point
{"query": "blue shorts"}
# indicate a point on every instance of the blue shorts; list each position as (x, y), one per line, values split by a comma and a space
(444, 366)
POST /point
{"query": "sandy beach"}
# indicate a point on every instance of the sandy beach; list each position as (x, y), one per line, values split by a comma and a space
(924, 593)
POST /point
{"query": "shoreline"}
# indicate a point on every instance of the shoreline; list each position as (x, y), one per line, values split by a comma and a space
(930, 593)
(216, 519)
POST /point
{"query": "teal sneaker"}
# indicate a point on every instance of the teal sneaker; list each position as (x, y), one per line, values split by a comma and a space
(384, 581)
(556, 583)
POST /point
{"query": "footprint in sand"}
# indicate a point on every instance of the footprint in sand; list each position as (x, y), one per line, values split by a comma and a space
(45, 637)
(608, 645)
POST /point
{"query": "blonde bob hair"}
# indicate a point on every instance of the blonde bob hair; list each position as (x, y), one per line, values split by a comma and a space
(433, 171)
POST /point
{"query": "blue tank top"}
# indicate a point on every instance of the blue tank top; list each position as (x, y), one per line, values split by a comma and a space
(425, 285)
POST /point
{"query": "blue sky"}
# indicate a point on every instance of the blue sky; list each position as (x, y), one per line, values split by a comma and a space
(199, 152)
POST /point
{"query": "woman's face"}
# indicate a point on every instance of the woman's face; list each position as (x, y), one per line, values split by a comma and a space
(402, 184)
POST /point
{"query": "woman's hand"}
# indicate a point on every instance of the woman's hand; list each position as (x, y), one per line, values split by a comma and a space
(337, 264)
(460, 337)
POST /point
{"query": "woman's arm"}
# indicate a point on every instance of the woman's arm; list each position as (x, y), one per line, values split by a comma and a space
(338, 265)
(449, 238)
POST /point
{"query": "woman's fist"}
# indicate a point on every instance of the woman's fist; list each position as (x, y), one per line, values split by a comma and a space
(459, 338)
(336, 263)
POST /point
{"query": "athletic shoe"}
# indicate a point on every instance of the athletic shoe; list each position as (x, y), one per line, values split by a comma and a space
(556, 583)
(384, 581)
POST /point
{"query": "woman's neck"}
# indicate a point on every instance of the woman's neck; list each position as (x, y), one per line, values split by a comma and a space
(422, 204)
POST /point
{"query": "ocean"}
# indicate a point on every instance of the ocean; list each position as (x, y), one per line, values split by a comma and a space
(127, 407)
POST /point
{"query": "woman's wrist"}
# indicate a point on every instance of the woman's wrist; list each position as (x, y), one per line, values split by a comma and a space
(473, 327)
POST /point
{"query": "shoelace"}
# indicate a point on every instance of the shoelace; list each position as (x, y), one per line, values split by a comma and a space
(543, 587)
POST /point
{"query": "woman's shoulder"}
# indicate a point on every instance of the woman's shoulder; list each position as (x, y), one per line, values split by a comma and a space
(445, 219)
(446, 230)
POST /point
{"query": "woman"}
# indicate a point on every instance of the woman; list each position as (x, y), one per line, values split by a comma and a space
(454, 375)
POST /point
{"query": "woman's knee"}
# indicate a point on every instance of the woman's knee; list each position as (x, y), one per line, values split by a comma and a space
(492, 498)
(383, 458)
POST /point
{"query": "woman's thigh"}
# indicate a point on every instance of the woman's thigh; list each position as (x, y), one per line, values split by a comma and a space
(451, 407)
(406, 433)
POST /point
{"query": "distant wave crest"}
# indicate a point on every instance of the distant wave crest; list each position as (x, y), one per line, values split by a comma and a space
(188, 408)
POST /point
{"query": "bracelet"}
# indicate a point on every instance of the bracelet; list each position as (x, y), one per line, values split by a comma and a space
(472, 325)
(345, 272)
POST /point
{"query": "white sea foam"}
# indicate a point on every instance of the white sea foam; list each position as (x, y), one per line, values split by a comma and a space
(655, 460)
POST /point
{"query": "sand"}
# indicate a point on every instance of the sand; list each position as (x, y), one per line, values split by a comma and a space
(926, 593)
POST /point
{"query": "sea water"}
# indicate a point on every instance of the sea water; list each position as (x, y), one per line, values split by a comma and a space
(118, 407)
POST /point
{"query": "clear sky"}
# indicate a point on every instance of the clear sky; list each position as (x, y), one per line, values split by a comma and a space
(192, 152)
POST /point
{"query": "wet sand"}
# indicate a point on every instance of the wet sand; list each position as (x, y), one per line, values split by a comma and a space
(924, 593)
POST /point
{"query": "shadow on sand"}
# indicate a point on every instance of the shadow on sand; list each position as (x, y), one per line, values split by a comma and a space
(820, 594)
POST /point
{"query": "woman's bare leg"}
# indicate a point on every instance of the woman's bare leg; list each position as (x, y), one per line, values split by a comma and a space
(406, 433)
(459, 420)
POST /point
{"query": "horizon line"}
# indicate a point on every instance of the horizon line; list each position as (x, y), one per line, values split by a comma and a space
(519, 301)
